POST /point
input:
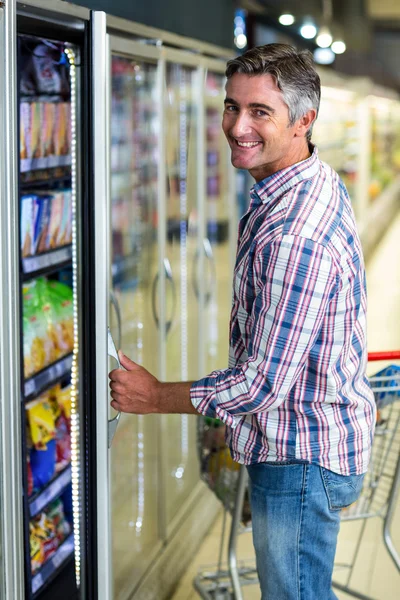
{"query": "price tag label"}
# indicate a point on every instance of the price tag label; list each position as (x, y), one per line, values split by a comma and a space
(37, 583)
(30, 387)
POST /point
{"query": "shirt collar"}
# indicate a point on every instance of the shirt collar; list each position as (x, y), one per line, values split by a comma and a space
(282, 181)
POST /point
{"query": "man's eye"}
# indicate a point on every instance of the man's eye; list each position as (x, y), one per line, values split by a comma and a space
(231, 108)
(261, 113)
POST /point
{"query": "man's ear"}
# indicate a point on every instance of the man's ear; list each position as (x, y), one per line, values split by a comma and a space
(305, 122)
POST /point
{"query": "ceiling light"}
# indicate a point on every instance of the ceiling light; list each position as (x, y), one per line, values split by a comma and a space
(338, 47)
(324, 38)
(308, 31)
(324, 56)
(241, 41)
(286, 19)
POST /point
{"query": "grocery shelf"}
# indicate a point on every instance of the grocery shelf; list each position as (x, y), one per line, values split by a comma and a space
(53, 564)
(48, 377)
(38, 502)
(47, 262)
(51, 182)
(46, 162)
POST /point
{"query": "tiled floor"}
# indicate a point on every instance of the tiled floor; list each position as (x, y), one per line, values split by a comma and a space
(374, 572)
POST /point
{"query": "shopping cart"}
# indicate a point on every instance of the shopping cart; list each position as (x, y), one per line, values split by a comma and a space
(228, 480)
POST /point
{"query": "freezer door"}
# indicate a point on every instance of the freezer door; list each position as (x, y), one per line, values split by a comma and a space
(11, 523)
(135, 314)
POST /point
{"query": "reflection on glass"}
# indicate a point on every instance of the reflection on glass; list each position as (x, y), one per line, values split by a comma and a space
(218, 280)
(134, 462)
(385, 144)
(182, 224)
(337, 135)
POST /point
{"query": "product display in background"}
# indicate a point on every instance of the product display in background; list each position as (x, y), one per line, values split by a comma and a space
(47, 531)
(385, 144)
(49, 436)
(46, 221)
(48, 328)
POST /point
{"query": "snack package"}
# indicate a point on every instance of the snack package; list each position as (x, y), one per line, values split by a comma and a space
(45, 532)
(41, 422)
(56, 214)
(64, 401)
(29, 476)
(43, 464)
(66, 498)
(39, 349)
(36, 549)
(56, 514)
(28, 203)
(63, 325)
(62, 425)
(41, 216)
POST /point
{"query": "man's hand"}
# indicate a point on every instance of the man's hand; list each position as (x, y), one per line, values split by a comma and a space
(137, 391)
(134, 390)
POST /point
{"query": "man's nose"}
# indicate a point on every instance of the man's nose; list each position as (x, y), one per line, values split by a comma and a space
(242, 125)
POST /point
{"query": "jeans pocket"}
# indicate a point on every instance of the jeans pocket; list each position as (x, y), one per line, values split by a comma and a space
(341, 490)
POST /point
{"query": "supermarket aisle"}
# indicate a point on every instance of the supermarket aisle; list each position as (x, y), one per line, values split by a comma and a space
(375, 573)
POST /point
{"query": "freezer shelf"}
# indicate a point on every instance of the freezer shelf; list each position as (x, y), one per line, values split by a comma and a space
(50, 493)
(39, 264)
(47, 377)
(45, 162)
(53, 564)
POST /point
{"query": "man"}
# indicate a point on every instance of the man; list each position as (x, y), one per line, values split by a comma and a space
(295, 399)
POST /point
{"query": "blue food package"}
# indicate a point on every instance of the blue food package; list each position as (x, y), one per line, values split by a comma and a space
(42, 210)
(27, 224)
(66, 499)
(43, 464)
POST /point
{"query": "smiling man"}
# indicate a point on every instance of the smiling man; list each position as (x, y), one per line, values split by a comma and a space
(295, 398)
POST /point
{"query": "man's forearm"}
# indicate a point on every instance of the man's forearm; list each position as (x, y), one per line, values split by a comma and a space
(175, 398)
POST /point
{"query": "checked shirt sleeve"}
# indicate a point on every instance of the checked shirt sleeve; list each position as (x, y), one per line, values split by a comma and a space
(297, 278)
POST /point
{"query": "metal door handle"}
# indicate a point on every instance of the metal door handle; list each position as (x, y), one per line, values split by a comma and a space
(115, 303)
(168, 273)
(112, 423)
(207, 247)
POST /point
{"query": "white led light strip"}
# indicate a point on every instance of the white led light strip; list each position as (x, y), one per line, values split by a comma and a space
(75, 428)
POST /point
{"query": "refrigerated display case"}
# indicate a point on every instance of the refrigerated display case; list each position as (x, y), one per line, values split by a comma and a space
(49, 344)
(385, 144)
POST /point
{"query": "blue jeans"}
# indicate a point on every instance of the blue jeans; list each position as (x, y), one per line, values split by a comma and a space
(295, 509)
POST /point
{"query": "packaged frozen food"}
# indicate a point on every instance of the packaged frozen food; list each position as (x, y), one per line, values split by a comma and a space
(48, 118)
(41, 216)
(28, 204)
(61, 137)
(62, 425)
(64, 401)
(45, 531)
(56, 214)
(65, 233)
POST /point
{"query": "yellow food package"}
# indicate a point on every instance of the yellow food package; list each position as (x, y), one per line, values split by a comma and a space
(41, 422)
(64, 400)
(53, 401)
(36, 549)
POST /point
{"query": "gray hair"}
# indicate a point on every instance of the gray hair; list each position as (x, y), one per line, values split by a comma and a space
(294, 73)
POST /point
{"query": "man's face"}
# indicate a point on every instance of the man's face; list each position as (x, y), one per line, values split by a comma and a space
(256, 125)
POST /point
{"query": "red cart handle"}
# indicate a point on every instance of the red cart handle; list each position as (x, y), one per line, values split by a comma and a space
(389, 355)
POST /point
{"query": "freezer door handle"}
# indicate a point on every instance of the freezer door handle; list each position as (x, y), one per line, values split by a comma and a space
(208, 252)
(112, 423)
(115, 303)
(170, 279)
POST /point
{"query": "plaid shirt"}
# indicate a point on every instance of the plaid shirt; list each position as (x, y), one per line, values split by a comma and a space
(296, 385)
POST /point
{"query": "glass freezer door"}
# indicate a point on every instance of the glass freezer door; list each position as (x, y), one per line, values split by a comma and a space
(182, 290)
(134, 255)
